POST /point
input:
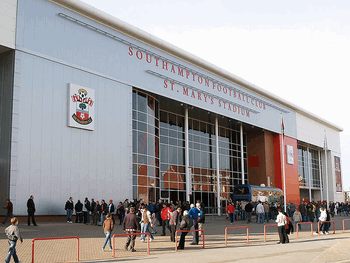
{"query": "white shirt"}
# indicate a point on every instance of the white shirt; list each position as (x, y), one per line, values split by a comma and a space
(260, 209)
(323, 216)
(281, 219)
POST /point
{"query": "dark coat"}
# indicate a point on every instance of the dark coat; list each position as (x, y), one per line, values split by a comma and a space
(69, 205)
(30, 206)
(131, 221)
(186, 223)
(78, 207)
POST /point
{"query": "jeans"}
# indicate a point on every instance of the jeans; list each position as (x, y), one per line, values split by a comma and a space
(7, 216)
(69, 215)
(145, 229)
(261, 218)
(267, 217)
(108, 239)
(102, 219)
(243, 215)
(195, 233)
(12, 252)
(232, 217)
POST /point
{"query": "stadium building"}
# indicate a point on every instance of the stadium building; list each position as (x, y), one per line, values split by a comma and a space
(94, 107)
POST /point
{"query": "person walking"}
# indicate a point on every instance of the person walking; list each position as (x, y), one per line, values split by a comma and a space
(145, 223)
(13, 236)
(69, 207)
(107, 229)
(31, 210)
(130, 226)
(9, 212)
(185, 224)
(281, 222)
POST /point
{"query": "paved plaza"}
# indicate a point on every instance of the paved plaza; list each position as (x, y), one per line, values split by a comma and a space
(322, 248)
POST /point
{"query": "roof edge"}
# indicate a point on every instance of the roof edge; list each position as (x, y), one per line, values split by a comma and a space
(139, 34)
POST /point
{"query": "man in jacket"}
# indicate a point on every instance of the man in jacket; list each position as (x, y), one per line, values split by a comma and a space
(248, 210)
(165, 216)
(266, 211)
(173, 222)
(69, 209)
(281, 222)
(87, 209)
(31, 210)
(230, 212)
(260, 213)
(130, 226)
(185, 224)
(96, 213)
(9, 208)
(195, 214)
(111, 209)
(78, 212)
(103, 211)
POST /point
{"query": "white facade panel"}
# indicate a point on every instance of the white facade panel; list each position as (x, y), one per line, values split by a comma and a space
(56, 161)
(8, 9)
(313, 132)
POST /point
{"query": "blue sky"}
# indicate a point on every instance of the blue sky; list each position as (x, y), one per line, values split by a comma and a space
(298, 50)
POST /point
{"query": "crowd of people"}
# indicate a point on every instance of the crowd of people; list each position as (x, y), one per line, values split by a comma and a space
(137, 216)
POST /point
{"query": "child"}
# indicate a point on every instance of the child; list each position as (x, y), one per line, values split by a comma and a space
(13, 235)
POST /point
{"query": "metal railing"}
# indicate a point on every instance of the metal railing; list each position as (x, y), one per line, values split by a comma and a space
(303, 223)
(54, 238)
(236, 228)
(265, 231)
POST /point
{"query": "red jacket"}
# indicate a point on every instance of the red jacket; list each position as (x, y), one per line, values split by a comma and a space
(230, 209)
(166, 213)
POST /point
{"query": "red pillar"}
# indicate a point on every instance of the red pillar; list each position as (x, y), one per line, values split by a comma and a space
(291, 170)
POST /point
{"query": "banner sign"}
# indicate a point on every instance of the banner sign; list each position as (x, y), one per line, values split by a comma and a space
(338, 184)
(290, 156)
(81, 108)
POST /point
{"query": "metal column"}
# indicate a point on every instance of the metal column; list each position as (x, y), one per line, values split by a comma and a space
(309, 168)
(242, 152)
(217, 165)
(320, 172)
(187, 159)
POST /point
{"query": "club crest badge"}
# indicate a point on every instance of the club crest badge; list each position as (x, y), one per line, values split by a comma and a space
(81, 107)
